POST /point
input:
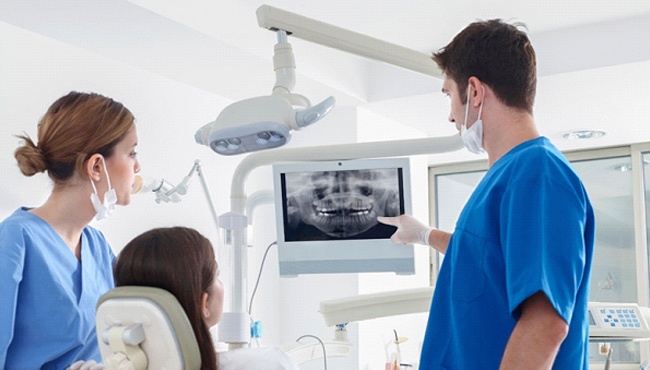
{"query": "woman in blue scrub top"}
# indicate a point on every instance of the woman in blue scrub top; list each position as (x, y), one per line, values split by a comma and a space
(53, 265)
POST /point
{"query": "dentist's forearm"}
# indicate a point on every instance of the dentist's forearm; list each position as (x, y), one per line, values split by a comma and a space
(537, 337)
(439, 240)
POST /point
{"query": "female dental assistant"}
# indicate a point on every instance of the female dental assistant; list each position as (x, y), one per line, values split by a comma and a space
(53, 266)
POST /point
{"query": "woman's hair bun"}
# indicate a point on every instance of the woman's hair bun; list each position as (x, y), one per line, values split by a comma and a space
(30, 157)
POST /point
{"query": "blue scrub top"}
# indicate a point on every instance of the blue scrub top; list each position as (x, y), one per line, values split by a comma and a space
(527, 227)
(48, 297)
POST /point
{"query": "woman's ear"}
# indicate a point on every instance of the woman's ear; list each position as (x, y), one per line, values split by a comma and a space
(94, 168)
(204, 306)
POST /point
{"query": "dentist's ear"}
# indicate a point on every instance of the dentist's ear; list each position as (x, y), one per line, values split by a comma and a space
(476, 91)
(204, 306)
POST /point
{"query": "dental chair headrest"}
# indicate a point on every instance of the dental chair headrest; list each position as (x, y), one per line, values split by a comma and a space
(145, 328)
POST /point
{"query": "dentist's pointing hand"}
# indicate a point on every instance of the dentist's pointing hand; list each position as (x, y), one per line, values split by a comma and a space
(409, 230)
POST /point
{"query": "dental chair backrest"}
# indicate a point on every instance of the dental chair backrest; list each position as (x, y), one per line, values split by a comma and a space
(140, 328)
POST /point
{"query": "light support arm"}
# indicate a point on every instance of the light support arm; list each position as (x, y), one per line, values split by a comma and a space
(182, 187)
(378, 149)
(206, 191)
(375, 305)
(339, 38)
(284, 65)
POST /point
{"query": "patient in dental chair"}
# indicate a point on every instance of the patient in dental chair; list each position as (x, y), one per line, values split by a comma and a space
(181, 261)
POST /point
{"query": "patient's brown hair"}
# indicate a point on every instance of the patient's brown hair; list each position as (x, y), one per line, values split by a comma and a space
(181, 261)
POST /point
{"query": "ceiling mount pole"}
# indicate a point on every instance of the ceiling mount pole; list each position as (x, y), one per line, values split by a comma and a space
(349, 41)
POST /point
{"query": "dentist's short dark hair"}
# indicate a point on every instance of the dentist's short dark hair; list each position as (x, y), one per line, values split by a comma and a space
(497, 53)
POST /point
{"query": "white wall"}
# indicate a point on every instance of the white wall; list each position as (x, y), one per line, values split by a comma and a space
(36, 71)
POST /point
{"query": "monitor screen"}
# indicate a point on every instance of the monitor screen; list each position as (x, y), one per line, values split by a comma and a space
(327, 216)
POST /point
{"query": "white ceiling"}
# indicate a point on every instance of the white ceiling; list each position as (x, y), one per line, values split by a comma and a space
(593, 56)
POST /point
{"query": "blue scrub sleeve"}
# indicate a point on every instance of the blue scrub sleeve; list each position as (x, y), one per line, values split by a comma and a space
(12, 255)
(542, 237)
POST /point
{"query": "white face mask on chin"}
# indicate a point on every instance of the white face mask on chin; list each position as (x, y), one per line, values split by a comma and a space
(473, 137)
(110, 198)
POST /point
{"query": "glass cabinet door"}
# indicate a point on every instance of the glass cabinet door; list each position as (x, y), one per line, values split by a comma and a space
(609, 185)
(608, 181)
(614, 275)
(450, 193)
(645, 160)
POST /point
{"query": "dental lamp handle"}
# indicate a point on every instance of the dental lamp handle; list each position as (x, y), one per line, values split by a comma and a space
(310, 115)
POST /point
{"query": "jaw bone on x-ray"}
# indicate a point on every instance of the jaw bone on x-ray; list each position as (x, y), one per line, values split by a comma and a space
(341, 204)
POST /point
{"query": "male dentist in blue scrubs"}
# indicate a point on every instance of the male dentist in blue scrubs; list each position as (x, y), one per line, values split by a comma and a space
(513, 288)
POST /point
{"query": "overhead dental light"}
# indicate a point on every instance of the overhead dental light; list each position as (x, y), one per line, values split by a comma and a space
(264, 122)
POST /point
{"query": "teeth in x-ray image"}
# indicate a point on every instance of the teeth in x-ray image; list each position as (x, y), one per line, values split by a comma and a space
(344, 214)
(343, 204)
